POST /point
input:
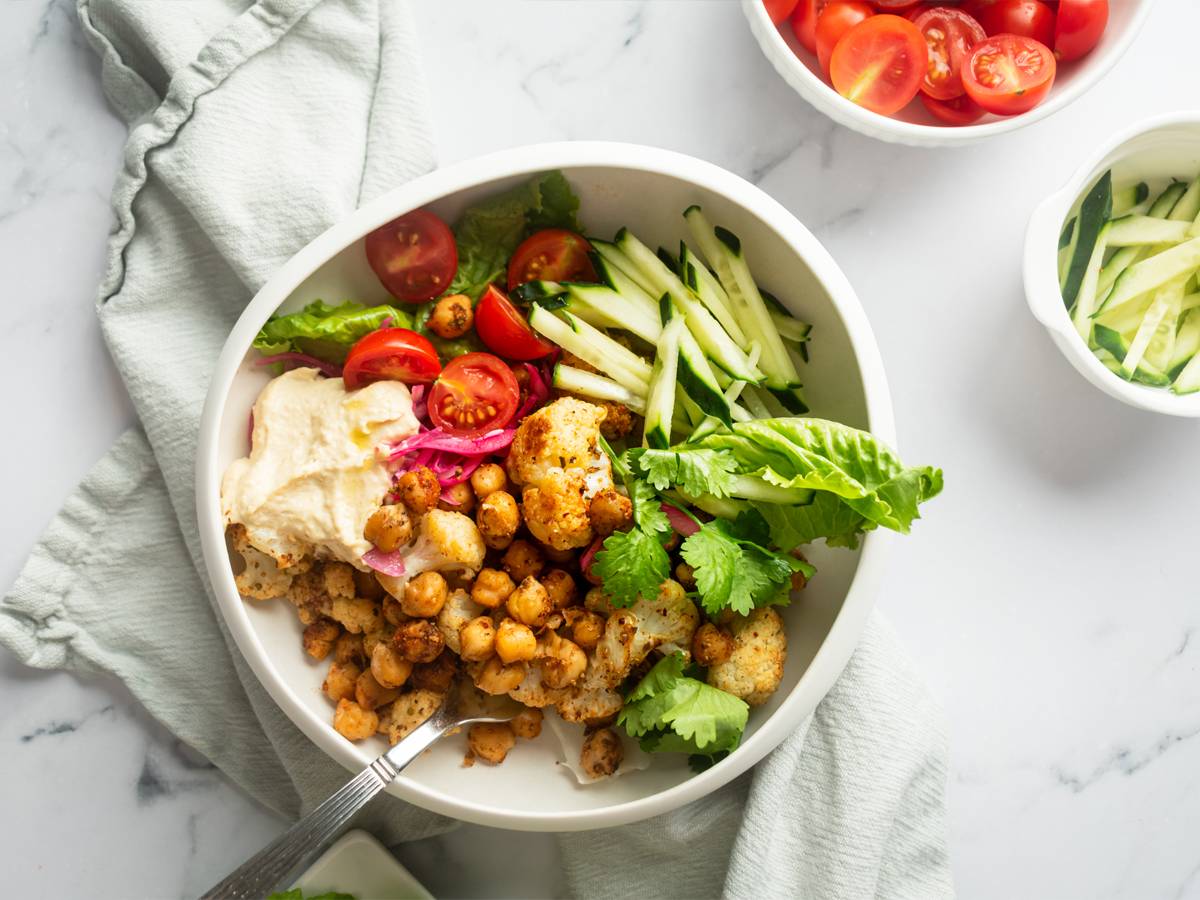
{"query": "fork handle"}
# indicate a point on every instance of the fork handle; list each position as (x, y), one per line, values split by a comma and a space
(294, 850)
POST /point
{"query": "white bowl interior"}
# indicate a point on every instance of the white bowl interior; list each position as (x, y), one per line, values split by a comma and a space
(1155, 155)
(914, 124)
(526, 789)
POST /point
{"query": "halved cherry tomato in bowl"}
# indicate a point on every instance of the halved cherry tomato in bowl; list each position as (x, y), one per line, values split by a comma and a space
(961, 110)
(1009, 74)
(779, 10)
(949, 36)
(804, 22)
(476, 393)
(504, 330)
(834, 21)
(879, 63)
(1028, 18)
(553, 254)
(393, 354)
(1079, 27)
(414, 256)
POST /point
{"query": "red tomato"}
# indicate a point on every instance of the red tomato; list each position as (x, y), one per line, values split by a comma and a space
(779, 10)
(501, 326)
(894, 5)
(804, 22)
(1028, 18)
(879, 63)
(414, 256)
(554, 254)
(475, 394)
(835, 20)
(960, 110)
(976, 8)
(393, 354)
(1009, 74)
(1079, 27)
(949, 36)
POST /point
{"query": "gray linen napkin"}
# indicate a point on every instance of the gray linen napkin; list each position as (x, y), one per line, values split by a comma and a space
(253, 127)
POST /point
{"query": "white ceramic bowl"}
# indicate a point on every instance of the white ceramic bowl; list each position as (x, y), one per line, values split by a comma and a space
(915, 126)
(1152, 151)
(618, 184)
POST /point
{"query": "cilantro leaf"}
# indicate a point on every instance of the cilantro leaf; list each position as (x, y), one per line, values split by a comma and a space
(647, 508)
(735, 573)
(672, 713)
(630, 564)
(695, 471)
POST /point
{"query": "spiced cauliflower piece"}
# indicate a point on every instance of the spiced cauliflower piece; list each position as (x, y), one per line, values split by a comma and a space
(457, 612)
(406, 712)
(557, 460)
(755, 667)
(262, 579)
(446, 542)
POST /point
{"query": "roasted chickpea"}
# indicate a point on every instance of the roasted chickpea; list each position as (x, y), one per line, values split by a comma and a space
(353, 722)
(387, 665)
(451, 317)
(686, 576)
(598, 602)
(477, 639)
(563, 664)
(530, 603)
(369, 693)
(366, 585)
(319, 638)
(491, 588)
(372, 639)
(491, 741)
(487, 479)
(419, 641)
(515, 642)
(458, 498)
(610, 511)
(799, 579)
(498, 518)
(349, 648)
(419, 490)
(561, 587)
(425, 595)
(523, 559)
(497, 678)
(527, 723)
(389, 528)
(587, 629)
(435, 676)
(711, 645)
(558, 557)
(393, 613)
(602, 753)
(339, 681)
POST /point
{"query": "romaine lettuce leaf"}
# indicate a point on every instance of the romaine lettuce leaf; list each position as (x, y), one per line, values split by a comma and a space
(324, 331)
(489, 232)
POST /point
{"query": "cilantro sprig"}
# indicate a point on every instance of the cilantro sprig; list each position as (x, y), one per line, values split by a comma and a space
(634, 563)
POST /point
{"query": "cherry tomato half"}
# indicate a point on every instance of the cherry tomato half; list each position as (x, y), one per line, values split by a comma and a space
(879, 63)
(553, 254)
(1080, 25)
(961, 110)
(804, 22)
(897, 6)
(414, 256)
(976, 8)
(475, 394)
(504, 330)
(835, 20)
(779, 10)
(949, 36)
(1009, 74)
(1028, 18)
(393, 354)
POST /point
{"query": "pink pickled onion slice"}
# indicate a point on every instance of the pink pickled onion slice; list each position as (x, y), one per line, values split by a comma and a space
(585, 561)
(303, 359)
(464, 470)
(387, 563)
(680, 521)
(539, 391)
(436, 439)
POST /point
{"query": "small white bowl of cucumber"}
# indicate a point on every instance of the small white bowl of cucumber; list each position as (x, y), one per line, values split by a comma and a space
(1112, 266)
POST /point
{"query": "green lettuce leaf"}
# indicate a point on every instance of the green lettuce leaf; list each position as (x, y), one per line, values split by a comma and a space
(671, 713)
(489, 232)
(324, 331)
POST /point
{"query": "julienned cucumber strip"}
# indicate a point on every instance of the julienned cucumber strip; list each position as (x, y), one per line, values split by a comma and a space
(660, 404)
(1130, 231)
(1094, 213)
(1149, 328)
(1115, 344)
(1151, 273)
(593, 347)
(1188, 206)
(1187, 343)
(1128, 198)
(1162, 207)
(1188, 380)
(1085, 303)
(589, 384)
(1066, 248)
(702, 283)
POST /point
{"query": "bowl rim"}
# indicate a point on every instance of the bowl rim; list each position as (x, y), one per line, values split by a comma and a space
(1041, 279)
(873, 124)
(834, 652)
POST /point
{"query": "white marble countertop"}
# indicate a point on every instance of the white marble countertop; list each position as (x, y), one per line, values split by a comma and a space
(1049, 595)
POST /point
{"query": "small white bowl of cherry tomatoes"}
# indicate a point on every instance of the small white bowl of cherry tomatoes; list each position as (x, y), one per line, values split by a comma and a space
(937, 74)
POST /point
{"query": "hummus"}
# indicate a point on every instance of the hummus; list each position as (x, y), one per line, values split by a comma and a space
(313, 476)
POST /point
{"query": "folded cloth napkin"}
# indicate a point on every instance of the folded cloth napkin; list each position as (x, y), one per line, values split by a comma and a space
(253, 127)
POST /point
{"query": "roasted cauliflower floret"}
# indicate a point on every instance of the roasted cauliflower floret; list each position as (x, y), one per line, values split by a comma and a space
(407, 712)
(561, 435)
(667, 622)
(446, 542)
(458, 611)
(755, 668)
(556, 509)
(262, 579)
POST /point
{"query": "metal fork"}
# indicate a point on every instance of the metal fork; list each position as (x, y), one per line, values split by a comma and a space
(281, 862)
